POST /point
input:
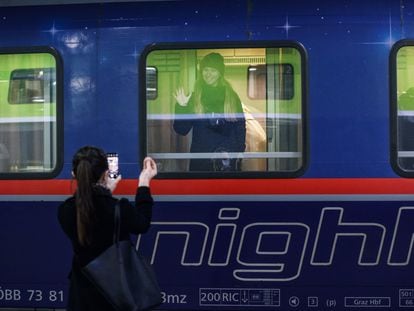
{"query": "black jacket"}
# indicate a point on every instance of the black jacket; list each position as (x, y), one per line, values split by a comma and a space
(212, 133)
(134, 219)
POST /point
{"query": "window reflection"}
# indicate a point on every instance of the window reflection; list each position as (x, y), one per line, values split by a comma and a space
(283, 78)
(32, 86)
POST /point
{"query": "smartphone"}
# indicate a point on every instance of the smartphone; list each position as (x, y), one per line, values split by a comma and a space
(112, 164)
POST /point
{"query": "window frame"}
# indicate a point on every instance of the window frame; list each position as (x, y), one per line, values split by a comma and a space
(142, 104)
(59, 113)
(394, 107)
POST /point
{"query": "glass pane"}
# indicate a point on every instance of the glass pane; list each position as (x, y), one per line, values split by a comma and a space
(405, 95)
(27, 113)
(227, 109)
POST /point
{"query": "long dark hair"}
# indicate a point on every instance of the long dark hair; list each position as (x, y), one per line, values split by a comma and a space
(88, 165)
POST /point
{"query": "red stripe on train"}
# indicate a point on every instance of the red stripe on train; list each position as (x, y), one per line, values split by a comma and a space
(226, 186)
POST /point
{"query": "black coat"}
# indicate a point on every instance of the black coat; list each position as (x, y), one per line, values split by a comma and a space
(136, 219)
(212, 133)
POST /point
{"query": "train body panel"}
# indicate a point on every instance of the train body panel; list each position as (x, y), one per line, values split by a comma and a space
(322, 221)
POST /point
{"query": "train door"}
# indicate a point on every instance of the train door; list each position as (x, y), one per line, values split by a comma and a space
(283, 109)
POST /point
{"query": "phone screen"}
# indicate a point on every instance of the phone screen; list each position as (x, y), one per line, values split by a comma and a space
(113, 164)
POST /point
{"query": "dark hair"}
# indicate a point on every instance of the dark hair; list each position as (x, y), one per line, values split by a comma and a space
(88, 165)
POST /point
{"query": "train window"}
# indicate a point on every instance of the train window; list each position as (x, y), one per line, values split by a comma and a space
(32, 86)
(226, 111)
(402, 103)
(29, 112)
(151, 76)
(257, 80)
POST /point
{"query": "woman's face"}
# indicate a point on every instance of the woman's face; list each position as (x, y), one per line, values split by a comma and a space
(210, 76)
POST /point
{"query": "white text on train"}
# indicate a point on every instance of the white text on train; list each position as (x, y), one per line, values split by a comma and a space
(244, 247)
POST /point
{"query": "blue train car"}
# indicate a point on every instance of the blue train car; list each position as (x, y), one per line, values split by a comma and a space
(313, 213)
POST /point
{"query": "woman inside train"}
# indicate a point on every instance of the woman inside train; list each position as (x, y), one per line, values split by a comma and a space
(87, 218)
(215, 115)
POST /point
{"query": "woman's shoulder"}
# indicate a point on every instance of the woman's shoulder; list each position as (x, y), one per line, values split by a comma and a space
(68, 202)
(66, 209)
(104, 199)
